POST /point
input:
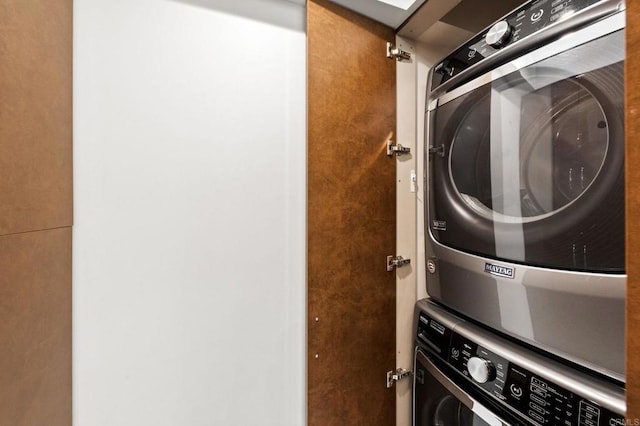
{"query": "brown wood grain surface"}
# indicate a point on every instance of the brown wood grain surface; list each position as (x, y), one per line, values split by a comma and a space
(351, 218)
(35, 115)
(35, 328)
(632, 130)
(35, 195)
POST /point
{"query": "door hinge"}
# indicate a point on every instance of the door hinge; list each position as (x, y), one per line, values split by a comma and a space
(397, 375)
(396, 262)
(396, 149)
(397, 53)
(437, 150)
(432, 265)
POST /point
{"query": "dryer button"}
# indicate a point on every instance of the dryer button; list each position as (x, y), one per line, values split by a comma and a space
(499, 34)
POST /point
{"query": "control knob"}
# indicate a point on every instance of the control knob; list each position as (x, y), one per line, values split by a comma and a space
(481, 370)
(499, 34)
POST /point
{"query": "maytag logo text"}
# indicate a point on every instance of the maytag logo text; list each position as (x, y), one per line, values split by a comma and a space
(501, 271)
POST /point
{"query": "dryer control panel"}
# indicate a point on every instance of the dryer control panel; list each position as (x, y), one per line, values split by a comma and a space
(525, 21)
(531, 397)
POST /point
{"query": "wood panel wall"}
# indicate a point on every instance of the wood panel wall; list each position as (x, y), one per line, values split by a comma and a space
(35, 331)
(632, 131)
(35, 113)
(35, 211)
(351, 218)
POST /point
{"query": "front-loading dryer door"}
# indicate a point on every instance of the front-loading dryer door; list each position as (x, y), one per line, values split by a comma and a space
(526, 163)
(438, 401)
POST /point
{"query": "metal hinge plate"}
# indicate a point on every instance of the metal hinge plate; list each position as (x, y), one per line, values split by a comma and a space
(396, 149)
(397, 53)
(396, 262)
(397, 375)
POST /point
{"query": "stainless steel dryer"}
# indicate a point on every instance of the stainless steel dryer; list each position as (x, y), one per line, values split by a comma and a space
(525, 171)
(466, 376)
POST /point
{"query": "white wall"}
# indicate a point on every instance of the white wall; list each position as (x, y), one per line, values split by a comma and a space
(406, 219)
(189, 237)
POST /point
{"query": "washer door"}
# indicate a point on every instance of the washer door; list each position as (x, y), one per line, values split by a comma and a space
(532, 164)
(451, 412)
(438, 401)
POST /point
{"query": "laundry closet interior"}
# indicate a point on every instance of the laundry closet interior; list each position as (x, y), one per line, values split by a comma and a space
(508, 236)
(321, 212)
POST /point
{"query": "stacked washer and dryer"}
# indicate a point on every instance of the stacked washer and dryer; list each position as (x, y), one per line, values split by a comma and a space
(525, 213)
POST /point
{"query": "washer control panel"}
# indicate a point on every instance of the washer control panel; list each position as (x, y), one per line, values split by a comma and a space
(524, 21)
(532, 398)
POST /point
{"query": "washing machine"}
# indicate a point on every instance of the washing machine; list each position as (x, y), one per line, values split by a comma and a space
(467, 376)
(525, 180)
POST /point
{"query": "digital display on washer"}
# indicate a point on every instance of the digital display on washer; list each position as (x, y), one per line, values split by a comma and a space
(539, 401)
(523, 22)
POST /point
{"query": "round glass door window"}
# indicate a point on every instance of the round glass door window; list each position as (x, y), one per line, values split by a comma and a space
(522, 153)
